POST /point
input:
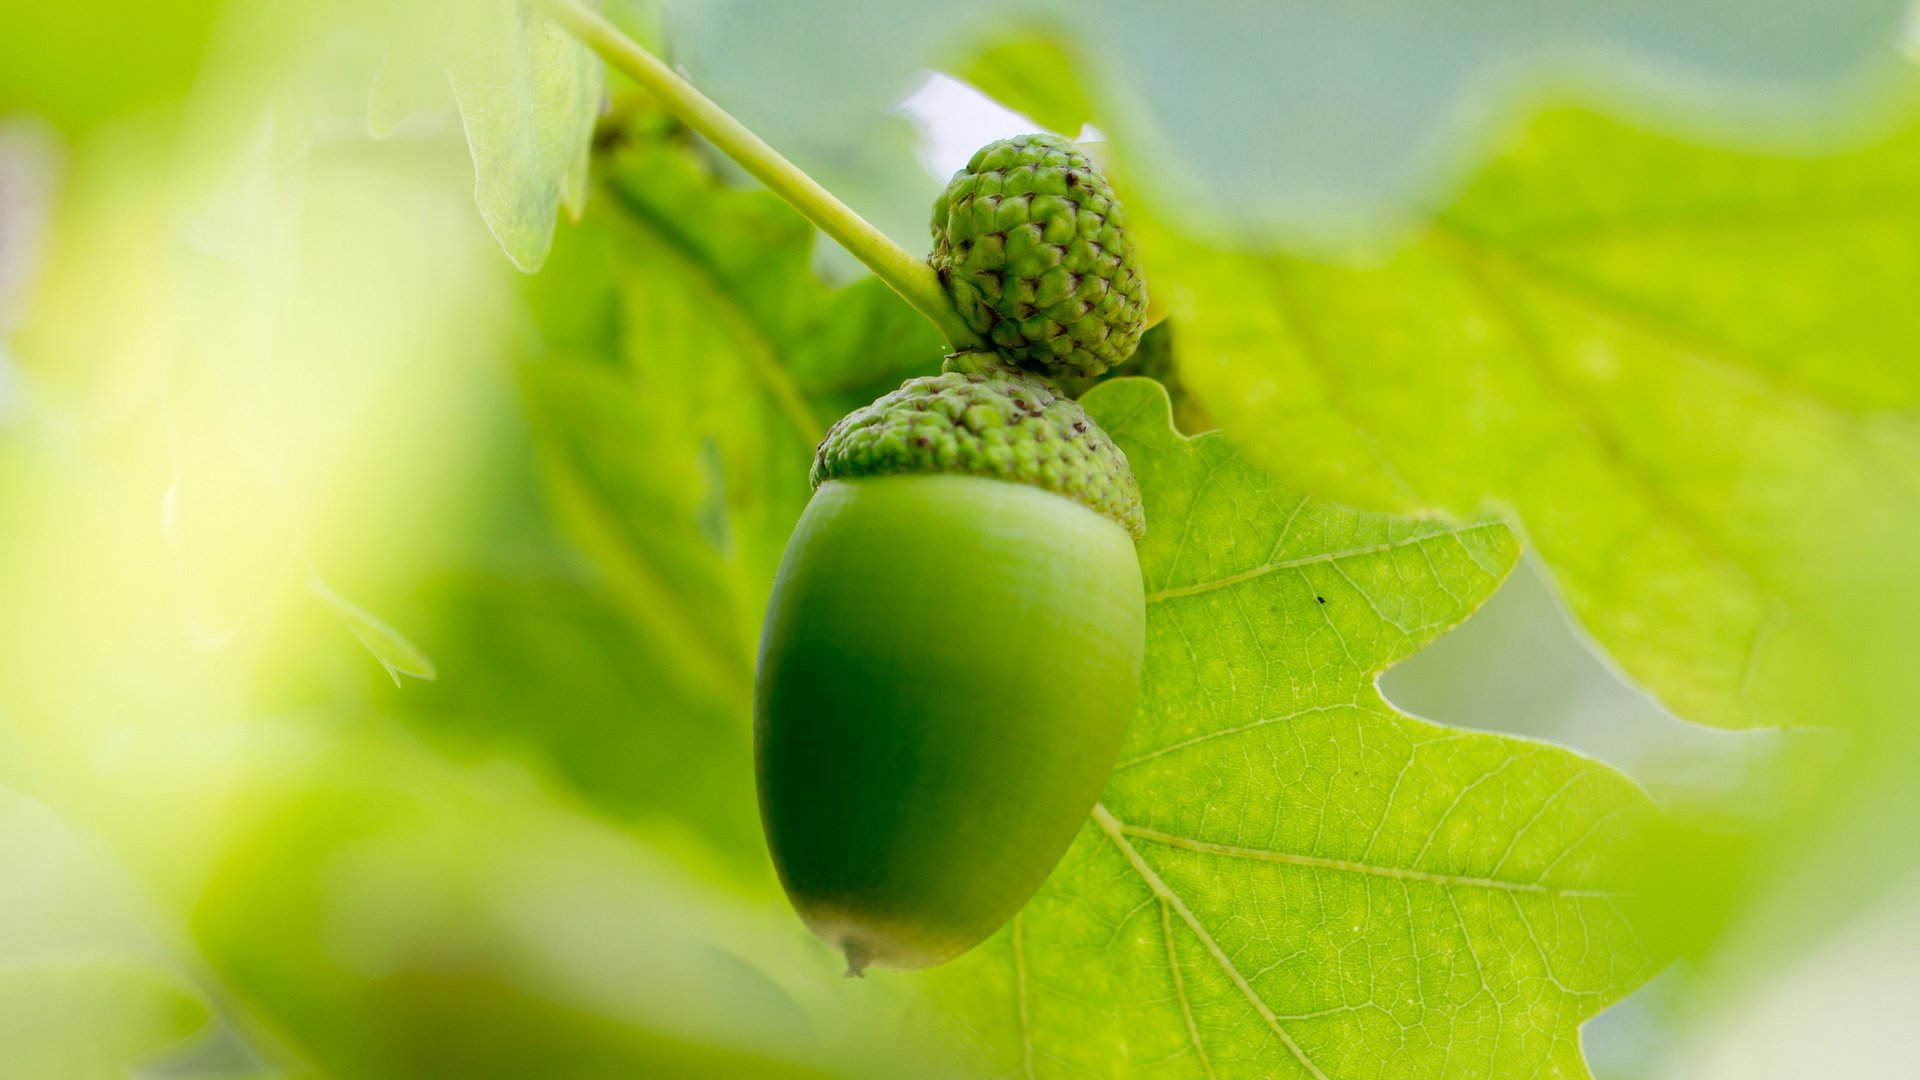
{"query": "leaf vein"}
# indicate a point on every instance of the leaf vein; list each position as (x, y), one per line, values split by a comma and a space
(1319, 862)
(1241, 578)
(1116, 832)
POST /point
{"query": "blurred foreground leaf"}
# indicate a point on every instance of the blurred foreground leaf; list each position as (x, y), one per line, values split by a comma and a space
(1035, 77)
(1687, 373)
(389, 646)
(77, 65)
(1286, 876)
(387, 916)
(87, 989)
(89, 1021)
(1307, 116)
(528, 95)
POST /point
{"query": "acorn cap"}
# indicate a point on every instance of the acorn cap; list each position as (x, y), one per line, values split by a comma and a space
(994, 423)
(1033, 248)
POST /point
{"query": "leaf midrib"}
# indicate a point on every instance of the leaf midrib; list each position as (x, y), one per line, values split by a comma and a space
(1116, 832)
(1318, 862)
(1255, 573)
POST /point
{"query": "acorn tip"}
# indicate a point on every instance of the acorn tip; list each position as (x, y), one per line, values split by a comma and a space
(857, 960)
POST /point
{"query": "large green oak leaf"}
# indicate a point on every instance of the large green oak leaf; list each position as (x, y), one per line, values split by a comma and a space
(1286, 876)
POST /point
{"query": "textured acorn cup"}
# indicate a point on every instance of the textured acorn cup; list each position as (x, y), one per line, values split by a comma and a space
(950, 660)
(1033, 248)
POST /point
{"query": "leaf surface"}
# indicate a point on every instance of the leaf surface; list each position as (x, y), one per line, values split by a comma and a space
(528, 96)
(696, 360)
(1308, 116)
(1286, 876)
(393, 649)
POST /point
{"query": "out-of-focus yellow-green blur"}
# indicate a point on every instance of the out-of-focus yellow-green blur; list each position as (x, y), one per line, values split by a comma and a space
(263, 476)
(381, 566)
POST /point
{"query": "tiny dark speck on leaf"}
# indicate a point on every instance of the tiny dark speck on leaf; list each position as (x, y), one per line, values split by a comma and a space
(1321, 599)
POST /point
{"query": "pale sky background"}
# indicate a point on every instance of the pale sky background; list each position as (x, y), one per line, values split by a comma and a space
(955, 120)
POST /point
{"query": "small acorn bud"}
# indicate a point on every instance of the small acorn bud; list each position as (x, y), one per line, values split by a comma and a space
(950, 659)
(1033, 248)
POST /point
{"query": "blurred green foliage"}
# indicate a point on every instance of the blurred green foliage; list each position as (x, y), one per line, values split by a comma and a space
(278, 421)
(1293, 118)
(118, 58)
(1034, 76)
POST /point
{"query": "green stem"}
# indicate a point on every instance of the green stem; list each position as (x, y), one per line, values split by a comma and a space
(912, 278)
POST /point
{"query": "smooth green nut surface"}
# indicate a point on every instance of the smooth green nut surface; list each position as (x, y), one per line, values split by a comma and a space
(1004, 424)
(948, 666)
(1034, 250)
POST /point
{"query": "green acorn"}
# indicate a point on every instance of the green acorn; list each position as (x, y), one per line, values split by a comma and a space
(1033, 248)
(950, 660)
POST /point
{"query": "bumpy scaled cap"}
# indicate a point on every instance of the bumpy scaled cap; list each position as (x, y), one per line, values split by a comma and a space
(1033, 248)
(1000, 424)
